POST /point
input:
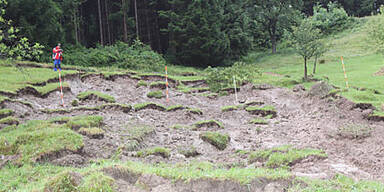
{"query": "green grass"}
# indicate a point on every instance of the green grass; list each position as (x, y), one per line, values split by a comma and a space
(258, 121)
(92, 132)
(188, 151)
(10, 120)
(178, 126)
(5, 112)
(220, 141)
(158, 151)
(102, 96)
(13, 79)
(85, 122)
(229, 108)
(50, 87)
(141, 106)
(337, 183)
(97, 182)
(195, 111)
(158, 84)
(142, 83)
(35, 139)
(156, 94)
(283, 156)
(264, 111)
(138, 132)
(208, 123)
(361, 63)
(175, 108)
(65, 181)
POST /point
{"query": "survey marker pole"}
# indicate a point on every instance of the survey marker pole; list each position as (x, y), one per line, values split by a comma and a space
(234, 84)
(166, 83)
(61, 89)
(345, 74)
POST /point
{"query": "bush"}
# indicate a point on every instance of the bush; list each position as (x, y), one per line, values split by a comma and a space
(331, 19)
(138, 56)
(220, 78)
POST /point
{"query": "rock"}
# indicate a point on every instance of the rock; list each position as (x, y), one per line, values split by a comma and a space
(298, 88)
(320, 89)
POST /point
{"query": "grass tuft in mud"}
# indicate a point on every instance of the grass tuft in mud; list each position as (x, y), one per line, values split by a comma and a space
(283, 156)
(65, 181)
(155, 94)
(188, 151)
(263, 111)
(195, 111)
(158, 151)
(139, 132)
(94, 132)
(149, 105)
(5, 113)
(258, 121)
(229, 108)
(35, 140)
(75, 103)
(100, 96)
(354, 131)
(220, 141)
(141, 83)
(158, 84)
(209, 124)
(84, 122)
(97, 182)
(175, 108)
(10, 120)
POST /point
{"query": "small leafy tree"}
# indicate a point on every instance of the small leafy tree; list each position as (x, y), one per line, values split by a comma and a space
(13, 46)
(306, 40)
(376, 31)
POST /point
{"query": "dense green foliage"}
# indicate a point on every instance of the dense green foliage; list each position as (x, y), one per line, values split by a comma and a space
(137, 56)
(12, 45)
(376, 31)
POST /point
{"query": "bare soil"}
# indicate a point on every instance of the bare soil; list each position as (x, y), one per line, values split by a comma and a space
(302, 121)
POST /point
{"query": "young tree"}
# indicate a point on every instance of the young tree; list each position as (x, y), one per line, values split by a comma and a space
(306, 40)
(275, 16)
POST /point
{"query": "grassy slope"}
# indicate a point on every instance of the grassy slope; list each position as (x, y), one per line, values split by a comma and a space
(360, 59)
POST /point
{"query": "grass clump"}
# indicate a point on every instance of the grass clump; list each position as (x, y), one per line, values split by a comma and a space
(49, 88)
(158, 151)
(65, 182)
(158, 84)
(34, 140)
(188, 151)
(175, 108)
(284, 156)
(142, 83)
(97, 182)
(354, 131)
(178, 126)
(264, 111)
(139, 132)
(94, 132)
(75, 103)
(5, 113)
(220, 141)
(195, 111)
(229, 108)
(141, 106)
(259, 121)
(208, 123)
(10, 120)
(101, 96)
(85, 122)
(155, 94)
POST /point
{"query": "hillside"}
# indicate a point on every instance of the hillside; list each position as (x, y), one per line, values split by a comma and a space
(117, 132)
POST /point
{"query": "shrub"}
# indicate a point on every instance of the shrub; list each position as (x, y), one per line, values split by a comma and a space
(220, 78)
(137, 56)
(331, 19)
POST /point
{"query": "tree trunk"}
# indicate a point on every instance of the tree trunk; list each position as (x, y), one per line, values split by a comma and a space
(107, 19)
(314, 65)
(305, 69)
(76, 25)
(148, 28)
(123, 3)
(137, 21)
(273, 40)
(100, 24)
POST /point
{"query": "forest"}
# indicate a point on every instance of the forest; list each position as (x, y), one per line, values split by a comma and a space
(187, 32)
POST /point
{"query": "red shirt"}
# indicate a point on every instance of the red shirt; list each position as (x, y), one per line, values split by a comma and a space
(57, 53)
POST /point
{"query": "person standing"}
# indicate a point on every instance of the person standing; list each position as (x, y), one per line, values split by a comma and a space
(57, 56)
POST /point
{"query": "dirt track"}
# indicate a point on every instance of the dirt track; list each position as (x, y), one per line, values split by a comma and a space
(301, 121)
